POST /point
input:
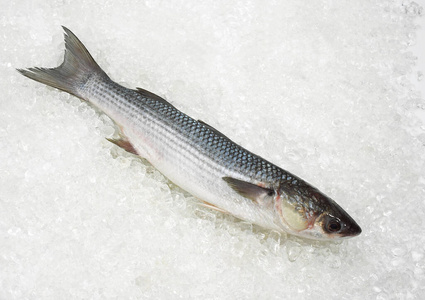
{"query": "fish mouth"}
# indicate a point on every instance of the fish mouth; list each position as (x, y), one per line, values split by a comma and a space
(351, 231)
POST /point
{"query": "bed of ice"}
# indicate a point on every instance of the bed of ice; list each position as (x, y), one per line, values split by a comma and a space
(322, 88)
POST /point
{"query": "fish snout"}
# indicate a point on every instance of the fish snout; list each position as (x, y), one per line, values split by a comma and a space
(351, 230)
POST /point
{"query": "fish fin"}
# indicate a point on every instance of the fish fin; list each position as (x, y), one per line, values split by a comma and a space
(146, 93)
(213, 129)
(78, 66)
(249, 190)
(151, 95)
(122, 143)
(212, 206)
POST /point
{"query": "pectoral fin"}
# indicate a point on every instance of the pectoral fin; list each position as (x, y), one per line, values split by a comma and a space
(124, 144)
(251, 191)
(211, 206)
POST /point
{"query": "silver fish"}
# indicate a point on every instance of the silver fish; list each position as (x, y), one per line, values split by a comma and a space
(196, 156)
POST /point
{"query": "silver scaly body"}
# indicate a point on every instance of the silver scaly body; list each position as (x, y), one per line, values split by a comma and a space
(197, 157)
(186, 151)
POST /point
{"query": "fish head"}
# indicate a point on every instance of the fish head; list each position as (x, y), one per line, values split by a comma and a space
(304, 211)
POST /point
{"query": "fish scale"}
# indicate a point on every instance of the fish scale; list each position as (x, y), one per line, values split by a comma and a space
(219, 148)
(184, 143)
(196, 156)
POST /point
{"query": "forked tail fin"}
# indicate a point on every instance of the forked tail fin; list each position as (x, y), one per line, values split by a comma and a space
(78, 66)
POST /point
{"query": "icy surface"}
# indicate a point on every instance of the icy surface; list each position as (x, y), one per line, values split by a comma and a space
(320, 88)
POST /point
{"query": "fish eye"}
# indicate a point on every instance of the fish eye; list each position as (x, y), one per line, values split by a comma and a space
(270, 193)
(333, 225)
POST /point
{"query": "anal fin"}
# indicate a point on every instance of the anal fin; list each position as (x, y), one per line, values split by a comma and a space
(124, 144)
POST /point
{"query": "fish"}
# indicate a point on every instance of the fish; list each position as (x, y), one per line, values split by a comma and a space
(197, 157)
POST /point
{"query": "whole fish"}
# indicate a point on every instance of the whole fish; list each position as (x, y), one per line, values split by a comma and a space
(196, 156)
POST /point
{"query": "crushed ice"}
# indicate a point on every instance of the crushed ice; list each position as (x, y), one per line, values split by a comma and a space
(320, 88)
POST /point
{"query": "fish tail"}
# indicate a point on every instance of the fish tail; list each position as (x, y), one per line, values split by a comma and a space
(78, 66)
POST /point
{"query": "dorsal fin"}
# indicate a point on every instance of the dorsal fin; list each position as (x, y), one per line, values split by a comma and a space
(153, 96)
(213, 129)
